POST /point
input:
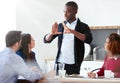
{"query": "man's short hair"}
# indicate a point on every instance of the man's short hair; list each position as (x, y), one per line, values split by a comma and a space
(12, 37)
(72, 4)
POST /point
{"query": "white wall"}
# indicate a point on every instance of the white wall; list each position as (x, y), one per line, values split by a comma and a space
(100, 12)
(37, 16)
(7, 19)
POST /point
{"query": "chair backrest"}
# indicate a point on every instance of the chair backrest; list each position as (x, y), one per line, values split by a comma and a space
(87, 50)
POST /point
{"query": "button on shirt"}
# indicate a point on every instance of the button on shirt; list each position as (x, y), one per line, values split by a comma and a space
(12, 65)
(67, 48)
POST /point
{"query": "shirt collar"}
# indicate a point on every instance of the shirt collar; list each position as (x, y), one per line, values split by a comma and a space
(115, 57)
(74, 22)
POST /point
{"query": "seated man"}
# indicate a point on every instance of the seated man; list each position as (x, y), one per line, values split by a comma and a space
(12, 65)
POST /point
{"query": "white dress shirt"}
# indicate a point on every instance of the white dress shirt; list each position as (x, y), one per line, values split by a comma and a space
(12, 65)
(67, 48)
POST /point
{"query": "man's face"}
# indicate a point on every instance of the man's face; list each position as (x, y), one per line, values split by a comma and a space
(69, 13)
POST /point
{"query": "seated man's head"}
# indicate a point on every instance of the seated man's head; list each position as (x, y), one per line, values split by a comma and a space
(13, 39)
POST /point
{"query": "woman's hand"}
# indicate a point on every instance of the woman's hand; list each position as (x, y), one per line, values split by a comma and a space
(91, 74)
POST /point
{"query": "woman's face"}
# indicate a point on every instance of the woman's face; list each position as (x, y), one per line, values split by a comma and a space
(32, 44)
(106, 44)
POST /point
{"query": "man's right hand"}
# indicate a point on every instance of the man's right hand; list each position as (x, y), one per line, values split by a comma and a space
(55, 29)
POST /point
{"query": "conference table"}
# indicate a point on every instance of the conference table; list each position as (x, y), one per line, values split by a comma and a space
(80, 80)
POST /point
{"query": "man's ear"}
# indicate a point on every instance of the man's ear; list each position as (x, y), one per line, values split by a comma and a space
(76, 11)
(16, 44)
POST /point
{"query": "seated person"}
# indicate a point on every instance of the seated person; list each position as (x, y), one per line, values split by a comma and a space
(112, 59)
(12, 65)
(25, 51)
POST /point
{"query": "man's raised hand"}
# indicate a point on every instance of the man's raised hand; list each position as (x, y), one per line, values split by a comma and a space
(55, 29)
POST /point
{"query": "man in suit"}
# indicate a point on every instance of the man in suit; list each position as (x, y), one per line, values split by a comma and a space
(72, 34)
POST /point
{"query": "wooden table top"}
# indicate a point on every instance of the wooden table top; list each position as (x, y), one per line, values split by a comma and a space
(80, 80)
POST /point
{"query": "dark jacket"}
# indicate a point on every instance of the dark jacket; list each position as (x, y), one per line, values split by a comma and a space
(79, 48)
(31, 62)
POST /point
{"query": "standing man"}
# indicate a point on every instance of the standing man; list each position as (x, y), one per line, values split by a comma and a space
(72, 34)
